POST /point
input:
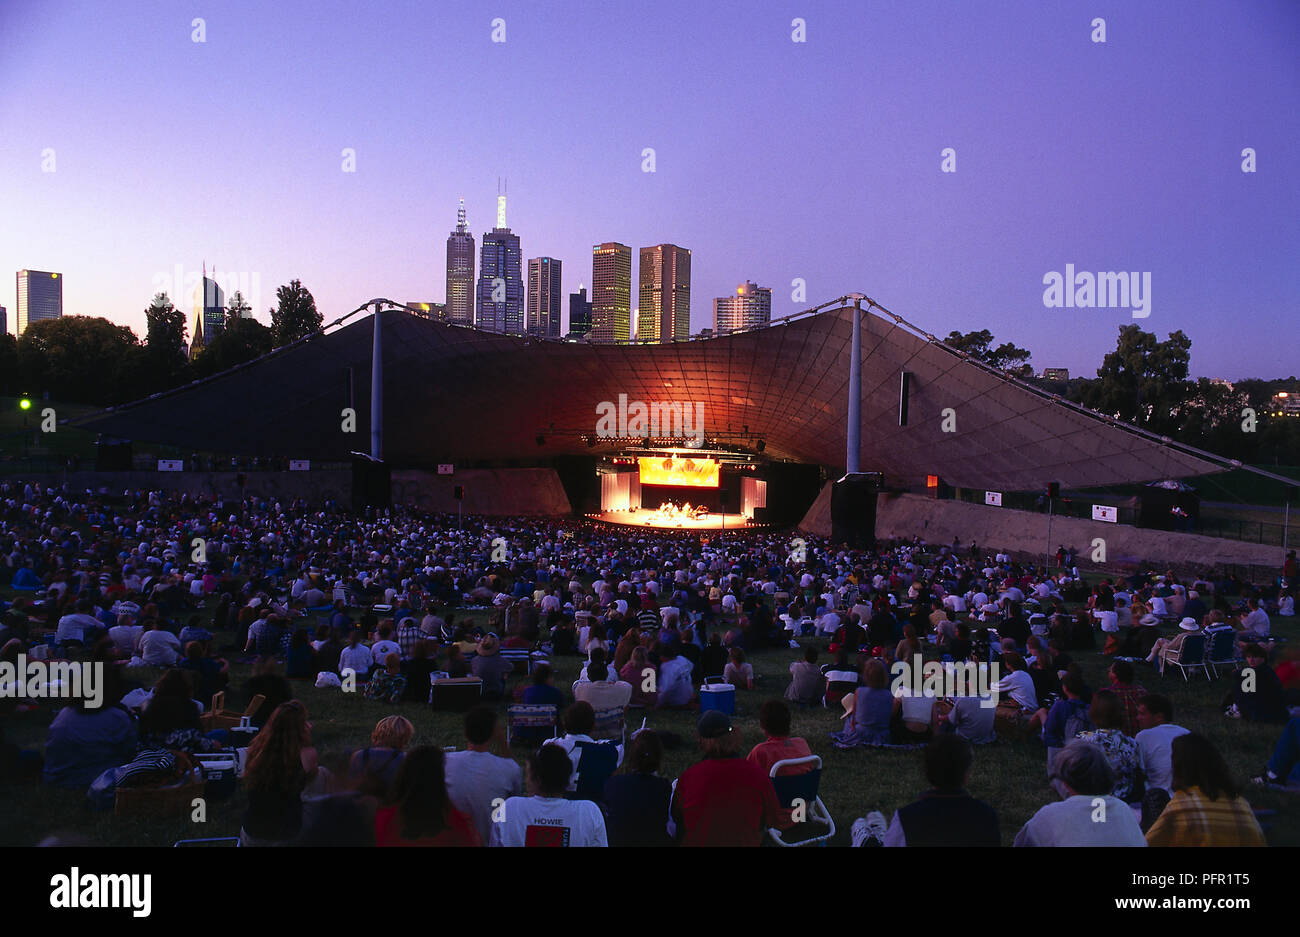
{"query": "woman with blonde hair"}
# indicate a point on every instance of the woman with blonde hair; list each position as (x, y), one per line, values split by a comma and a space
(372, 770)
(281, 766)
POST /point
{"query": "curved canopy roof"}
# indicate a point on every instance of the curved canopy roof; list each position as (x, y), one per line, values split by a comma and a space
(453, 393)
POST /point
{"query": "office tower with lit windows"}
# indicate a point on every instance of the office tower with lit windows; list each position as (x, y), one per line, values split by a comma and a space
(611, 293)
(209, 304)
(749, 308)
(664, 307)
(500, 280)
(40, 296)
(460, 272)
(544, 309)
(579, 313)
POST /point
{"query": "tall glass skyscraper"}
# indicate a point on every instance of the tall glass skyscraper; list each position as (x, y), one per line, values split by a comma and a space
(501, 304)
(460, 272)
(544, 308)
(40, 296)
(664, 300)
(611, 293)
(579, 312)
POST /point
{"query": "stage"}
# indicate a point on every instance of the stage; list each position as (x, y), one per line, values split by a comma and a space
(655, 520)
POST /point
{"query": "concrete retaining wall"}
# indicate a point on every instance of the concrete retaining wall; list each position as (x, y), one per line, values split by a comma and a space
(1025, 533)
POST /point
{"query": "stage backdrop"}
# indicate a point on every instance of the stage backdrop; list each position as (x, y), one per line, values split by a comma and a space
(753, 494)
(681, 472)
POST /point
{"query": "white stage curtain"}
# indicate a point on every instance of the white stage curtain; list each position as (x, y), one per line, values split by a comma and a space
(753, 494)
(616, 491)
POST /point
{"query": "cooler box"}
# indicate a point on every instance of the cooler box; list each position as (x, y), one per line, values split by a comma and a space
(458, 694)
(719, 696)
(220, 773)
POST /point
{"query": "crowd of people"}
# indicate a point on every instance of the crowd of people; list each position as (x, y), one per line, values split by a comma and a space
(387, 603)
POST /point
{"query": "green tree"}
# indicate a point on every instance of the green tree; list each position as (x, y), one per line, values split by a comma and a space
(295, 317)
(1144, 380)
(164, 343)
(237, 309)
(77, 359)
(1006, 357)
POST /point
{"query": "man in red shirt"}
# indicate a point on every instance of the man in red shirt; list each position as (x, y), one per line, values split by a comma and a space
(723, 800)
(774, 717)
(1129, 693)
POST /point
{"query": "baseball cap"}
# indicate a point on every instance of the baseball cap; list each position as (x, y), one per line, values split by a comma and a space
(714, 724)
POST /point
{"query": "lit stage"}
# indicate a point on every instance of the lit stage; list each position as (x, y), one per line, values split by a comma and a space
(645, 518)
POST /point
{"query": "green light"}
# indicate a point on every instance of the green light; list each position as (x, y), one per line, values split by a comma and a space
(24, 404)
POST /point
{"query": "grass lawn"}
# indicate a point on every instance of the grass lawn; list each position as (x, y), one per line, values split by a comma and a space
(1010, 776)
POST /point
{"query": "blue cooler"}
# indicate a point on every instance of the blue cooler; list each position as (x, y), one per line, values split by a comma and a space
(719, 696)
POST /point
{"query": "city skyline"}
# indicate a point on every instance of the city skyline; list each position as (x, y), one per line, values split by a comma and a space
(1105, 156)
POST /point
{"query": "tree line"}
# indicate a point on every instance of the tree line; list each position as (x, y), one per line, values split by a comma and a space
(90, 360)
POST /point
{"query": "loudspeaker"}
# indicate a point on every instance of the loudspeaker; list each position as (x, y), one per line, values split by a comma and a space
(762, 515)
(1053, 489)
(904, 386)
(458, 492)
(722, 500)
(853, 510)
(372, 484)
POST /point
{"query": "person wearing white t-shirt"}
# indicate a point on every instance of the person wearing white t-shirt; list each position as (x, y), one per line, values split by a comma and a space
(1155, 741)
(547, 818)
(479, 782)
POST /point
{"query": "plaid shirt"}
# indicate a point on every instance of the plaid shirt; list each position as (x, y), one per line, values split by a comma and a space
(1192, 819)
(406, 638)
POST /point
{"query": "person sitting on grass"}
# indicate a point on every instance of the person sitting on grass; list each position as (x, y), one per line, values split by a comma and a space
(547, 818)
(869, 721)
(1107, 716)
(1087, 778)
(639, 673)
(637, 801)
(1207, 808)
(421, 813)
(170, 718)
(807, 683)
(593, 761)
(1257, 694)
(674, 685)
(945, 815)
(722, 800)
(356, 657)
(387, 685)
(738, 673)
(372, 770)
(282, 765)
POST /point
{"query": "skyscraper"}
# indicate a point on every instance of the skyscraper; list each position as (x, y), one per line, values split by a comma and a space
(209, 305)
(750, 307)
(544, 308)
(611, 293)
(664, 299)
(460, 272)
(40, 296)
(579, 312)
(4, 320)
(500, 280)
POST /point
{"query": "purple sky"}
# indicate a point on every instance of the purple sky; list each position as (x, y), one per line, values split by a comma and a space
(774, 159)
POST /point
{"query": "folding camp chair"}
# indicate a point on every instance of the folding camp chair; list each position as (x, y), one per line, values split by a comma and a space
(1222, 650)
(610, 724)
(531, 721)
(798, 792)
(1189, 656)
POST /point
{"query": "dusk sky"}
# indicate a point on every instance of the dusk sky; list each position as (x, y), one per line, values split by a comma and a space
(774, 159)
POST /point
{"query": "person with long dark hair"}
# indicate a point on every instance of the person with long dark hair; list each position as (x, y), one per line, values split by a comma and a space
(281, 765)
(422, 814)
(1207, 808)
